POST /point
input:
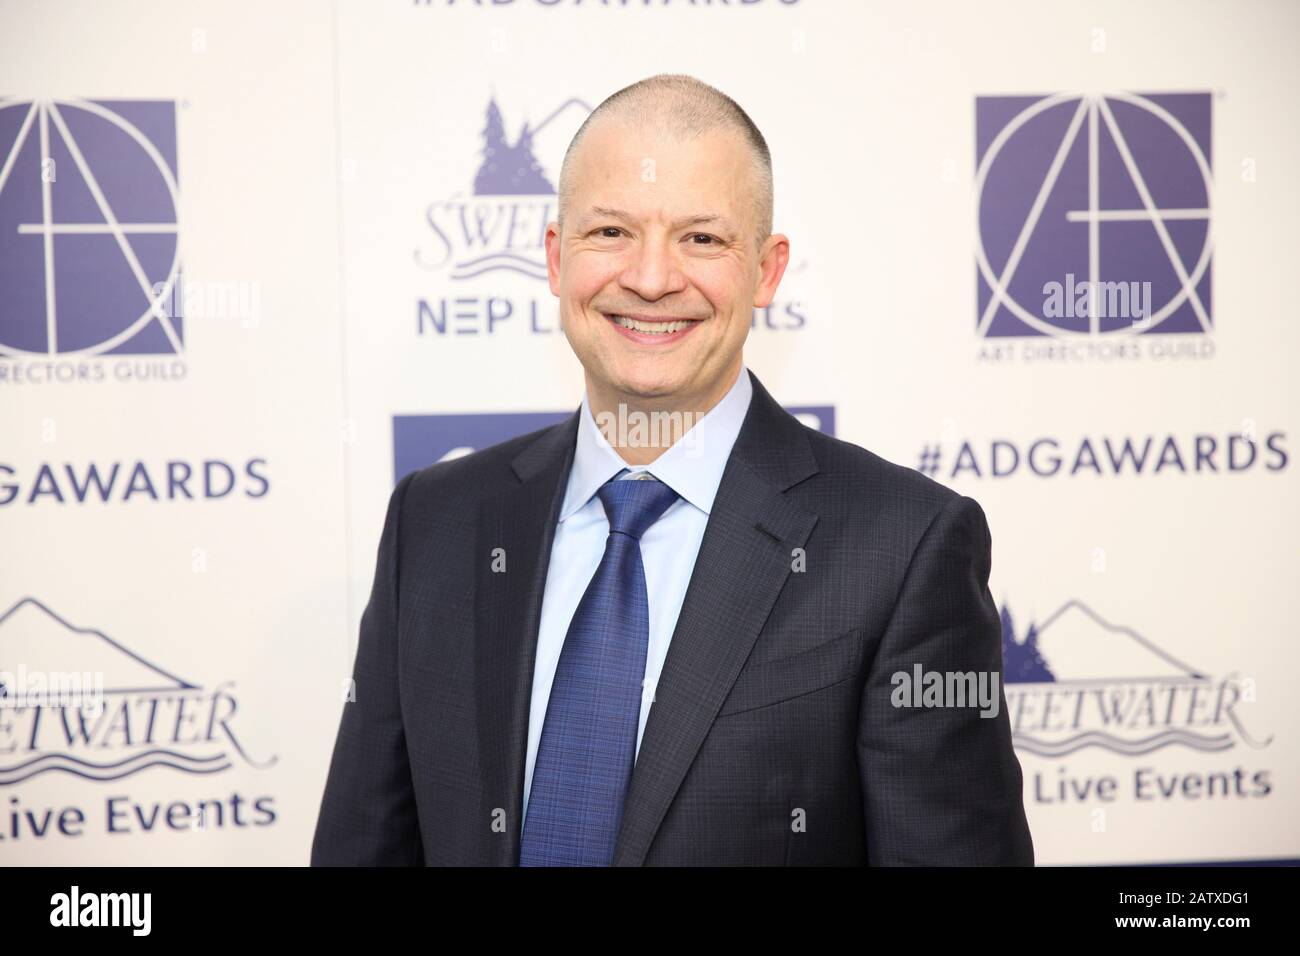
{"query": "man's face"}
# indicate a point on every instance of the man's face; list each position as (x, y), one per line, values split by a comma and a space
(660, 230)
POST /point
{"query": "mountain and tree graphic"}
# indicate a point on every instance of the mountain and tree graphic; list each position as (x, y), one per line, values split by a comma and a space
(513, 169)
(508, 169)
(46, 643)
(1076, 643)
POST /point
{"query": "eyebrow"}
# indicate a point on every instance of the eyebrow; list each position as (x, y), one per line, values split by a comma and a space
(699, 220)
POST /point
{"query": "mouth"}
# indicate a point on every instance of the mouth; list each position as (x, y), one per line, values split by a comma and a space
(652, 330)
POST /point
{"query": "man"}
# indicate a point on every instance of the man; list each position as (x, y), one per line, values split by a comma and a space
(589, 645)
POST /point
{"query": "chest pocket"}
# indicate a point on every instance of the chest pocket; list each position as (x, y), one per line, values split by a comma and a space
(770, 682)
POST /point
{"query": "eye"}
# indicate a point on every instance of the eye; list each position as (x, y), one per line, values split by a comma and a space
(603, 230)
(705, 235)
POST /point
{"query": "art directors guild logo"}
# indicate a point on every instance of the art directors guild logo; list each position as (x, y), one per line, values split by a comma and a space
(1093, 227)
(89, 242)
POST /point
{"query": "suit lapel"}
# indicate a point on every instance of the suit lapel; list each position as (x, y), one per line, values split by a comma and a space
(742, 565)
(521, 522)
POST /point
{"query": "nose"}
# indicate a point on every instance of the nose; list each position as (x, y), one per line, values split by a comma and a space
(652, 270)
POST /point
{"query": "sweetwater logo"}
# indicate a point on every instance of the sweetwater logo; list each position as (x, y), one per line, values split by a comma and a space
(498, 231)
(1094, 225)
(89, 241)
(422, 440)
(502, 226)
(136, 716)
(1077, 680)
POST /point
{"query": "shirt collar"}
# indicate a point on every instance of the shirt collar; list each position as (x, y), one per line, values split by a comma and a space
(692, 466)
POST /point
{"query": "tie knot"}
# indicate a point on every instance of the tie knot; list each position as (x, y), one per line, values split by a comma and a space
(632, 506)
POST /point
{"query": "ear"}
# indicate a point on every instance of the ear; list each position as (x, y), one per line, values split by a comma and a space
(773, 258)
(553, 257)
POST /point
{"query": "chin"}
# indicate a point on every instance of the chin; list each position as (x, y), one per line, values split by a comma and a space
(649, 386)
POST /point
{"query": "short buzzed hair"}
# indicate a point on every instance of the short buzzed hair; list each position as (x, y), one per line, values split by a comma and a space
(682, 107)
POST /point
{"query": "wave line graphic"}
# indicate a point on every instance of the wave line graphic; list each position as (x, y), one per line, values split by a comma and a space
(531, 273)
(71, 758)
(113, 770)
(1096, 738)
(512, 256)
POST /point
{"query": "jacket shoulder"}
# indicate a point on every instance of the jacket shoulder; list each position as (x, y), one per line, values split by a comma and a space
(893, 497)
(471, 477)
(843, 461)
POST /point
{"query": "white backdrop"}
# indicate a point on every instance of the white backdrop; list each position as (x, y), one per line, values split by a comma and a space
(360, 295)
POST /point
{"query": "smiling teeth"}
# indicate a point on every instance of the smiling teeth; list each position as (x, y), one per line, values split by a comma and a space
(654, 328)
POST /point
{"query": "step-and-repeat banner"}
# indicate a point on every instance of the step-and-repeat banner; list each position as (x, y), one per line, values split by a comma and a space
(258, 261)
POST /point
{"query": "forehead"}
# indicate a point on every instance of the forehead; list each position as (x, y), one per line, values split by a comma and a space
(645, 171)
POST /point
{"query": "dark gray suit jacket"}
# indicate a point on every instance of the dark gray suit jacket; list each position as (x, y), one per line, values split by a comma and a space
(772, 738)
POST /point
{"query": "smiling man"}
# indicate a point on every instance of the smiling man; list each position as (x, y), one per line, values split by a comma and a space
(679, 628)
(663, 247)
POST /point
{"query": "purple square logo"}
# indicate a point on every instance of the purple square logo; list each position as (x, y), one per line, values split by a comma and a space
(1093, 215)
(89, 246)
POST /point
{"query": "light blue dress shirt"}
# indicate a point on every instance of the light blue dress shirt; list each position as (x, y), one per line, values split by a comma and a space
(693, 468)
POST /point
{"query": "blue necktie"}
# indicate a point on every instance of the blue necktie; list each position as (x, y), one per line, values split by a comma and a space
(588, 744)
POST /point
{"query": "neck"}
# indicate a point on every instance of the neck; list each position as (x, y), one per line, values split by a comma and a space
(641, 428)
